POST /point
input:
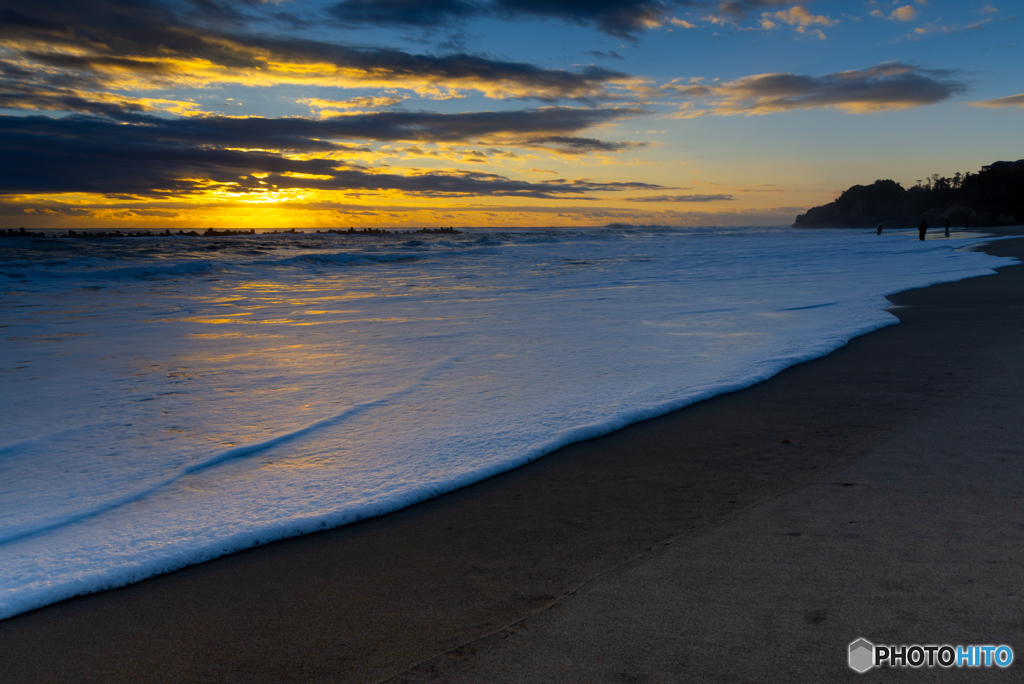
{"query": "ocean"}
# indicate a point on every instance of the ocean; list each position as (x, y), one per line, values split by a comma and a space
(170, 400)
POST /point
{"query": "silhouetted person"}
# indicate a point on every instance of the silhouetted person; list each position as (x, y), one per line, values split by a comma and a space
(922, 229)
(879, 229)
(966, 225)
(947, 227)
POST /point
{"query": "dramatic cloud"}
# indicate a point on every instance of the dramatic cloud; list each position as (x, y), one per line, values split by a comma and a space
(731, 14)
(95, 60)
(549, 126)
(617, 17)
(167, 159)
(575, 145)
(326, 108)
(624, 18)
(133, 45)
(999, 102)
(37, 89)
(738, 9)
(797, 16)
(680, 198)
(800, 18)
(905, 13)
(949, 28)
(883, 87)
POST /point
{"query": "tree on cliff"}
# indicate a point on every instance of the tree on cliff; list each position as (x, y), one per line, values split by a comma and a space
(992, 197)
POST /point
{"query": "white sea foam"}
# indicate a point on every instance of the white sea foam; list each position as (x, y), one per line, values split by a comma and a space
(168, 401)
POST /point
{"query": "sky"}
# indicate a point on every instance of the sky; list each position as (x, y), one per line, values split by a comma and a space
(488, 113)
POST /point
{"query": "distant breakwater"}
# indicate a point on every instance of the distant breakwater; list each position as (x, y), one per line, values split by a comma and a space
(211, 232)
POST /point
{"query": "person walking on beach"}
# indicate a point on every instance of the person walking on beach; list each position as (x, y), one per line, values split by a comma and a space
(879, 229)
(947, 227)
(922, 229)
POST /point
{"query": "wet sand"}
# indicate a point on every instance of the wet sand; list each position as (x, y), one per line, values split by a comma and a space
(876, 492)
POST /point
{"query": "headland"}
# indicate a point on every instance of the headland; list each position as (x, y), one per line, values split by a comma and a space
(992, 197)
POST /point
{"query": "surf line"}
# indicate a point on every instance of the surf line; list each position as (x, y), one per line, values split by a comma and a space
(244, 451)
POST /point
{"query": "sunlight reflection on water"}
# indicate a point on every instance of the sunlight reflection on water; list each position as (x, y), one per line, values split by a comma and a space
(338, 381)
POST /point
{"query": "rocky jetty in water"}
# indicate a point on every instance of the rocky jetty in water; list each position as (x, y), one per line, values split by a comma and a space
(20, 232)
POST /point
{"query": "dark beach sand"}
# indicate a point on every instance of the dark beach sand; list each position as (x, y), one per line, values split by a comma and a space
(694, 547)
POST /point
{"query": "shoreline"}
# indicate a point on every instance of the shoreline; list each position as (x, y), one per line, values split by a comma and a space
(373, 599)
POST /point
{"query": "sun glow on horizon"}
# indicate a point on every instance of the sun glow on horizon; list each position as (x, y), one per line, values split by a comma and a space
(113, 117)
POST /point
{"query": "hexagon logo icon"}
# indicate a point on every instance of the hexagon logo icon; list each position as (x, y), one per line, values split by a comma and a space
(862, 655)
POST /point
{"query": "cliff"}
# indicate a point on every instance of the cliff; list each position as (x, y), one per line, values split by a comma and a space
(995, 196)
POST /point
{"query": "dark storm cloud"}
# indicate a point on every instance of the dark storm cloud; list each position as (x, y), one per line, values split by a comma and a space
(14, 76)
(93, 58)
(737, 9)
(537, 127)
(680, 198)
(574, 145)
(384, 63)
(624, 18)
(22, 88)
(65, 102)
(92, 155)
(886, 86)
(10, 209)
(453, 184)
(615, 17)
(46, 208)
(544, 125)
(108, 37)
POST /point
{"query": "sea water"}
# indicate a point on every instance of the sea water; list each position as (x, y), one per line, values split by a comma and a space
(169, 400)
